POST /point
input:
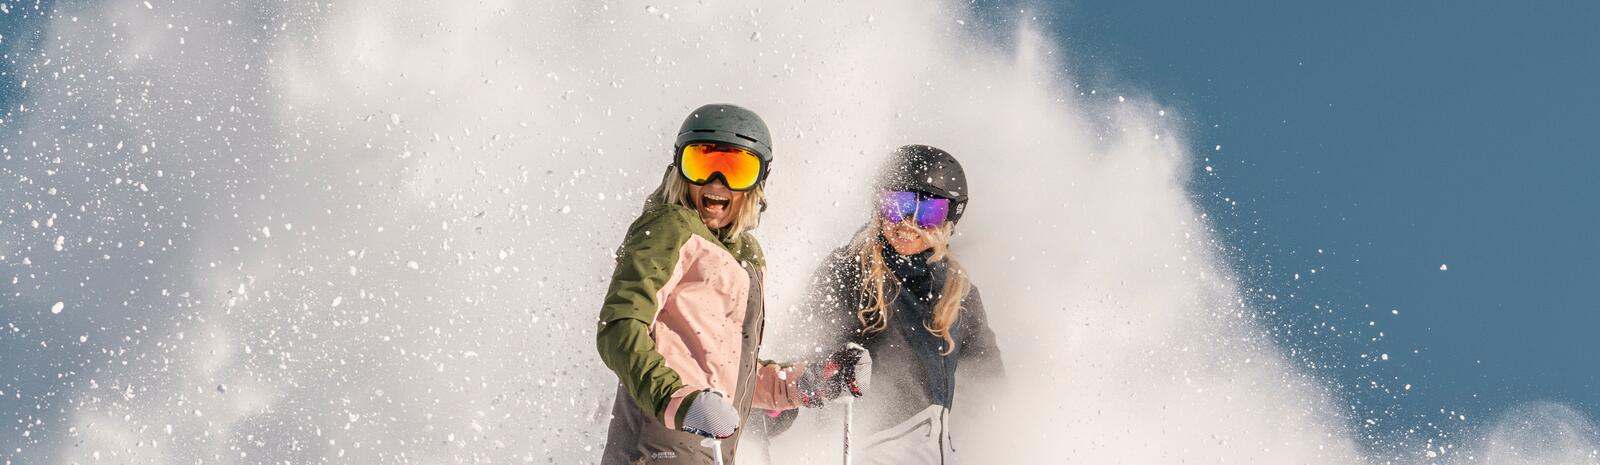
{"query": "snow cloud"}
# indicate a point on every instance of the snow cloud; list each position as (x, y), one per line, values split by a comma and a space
(357, 232)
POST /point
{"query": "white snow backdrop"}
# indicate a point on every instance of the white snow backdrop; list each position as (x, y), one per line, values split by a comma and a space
(375, 232)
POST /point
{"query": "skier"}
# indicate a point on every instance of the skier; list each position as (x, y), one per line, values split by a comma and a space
(682, 321)
(897, 290)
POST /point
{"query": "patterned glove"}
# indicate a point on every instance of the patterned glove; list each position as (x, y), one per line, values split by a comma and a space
(708, 414)
(847, 370)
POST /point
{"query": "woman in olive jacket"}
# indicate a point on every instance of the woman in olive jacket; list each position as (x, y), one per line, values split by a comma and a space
(682, 321)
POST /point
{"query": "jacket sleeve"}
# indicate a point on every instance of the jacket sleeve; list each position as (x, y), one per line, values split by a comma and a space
(646, 265)
(777, 384)
(828, 321)
(832, 304)
(978, 348)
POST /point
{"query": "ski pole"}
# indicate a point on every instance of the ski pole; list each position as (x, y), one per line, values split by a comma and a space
(716, 449)
(850, 417)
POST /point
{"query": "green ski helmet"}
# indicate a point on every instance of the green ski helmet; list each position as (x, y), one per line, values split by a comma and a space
(928, 170)
(726, 124)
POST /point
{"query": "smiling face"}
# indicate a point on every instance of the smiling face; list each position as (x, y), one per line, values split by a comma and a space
(905, 237)
(716, 203)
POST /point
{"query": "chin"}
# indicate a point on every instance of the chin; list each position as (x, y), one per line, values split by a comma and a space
(715, 223)
(907, 249)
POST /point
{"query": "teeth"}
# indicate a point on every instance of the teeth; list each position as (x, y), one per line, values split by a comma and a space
(716, 197)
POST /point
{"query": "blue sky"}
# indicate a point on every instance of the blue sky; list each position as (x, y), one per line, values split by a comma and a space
(1394, 138)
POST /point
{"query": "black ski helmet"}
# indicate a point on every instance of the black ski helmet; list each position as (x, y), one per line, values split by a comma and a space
(928, 170)
(726, 124)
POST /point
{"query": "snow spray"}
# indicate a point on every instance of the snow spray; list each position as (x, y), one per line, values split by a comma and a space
(343, 232)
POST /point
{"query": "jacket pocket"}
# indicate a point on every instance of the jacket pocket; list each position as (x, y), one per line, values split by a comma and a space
(661, 446)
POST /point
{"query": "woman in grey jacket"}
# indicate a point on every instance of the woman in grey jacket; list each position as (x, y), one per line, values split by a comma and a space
(897, 289)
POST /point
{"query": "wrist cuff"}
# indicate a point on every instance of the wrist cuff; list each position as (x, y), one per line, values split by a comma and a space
(677, 405)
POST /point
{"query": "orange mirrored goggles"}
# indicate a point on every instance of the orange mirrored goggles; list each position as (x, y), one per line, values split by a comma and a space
(740, 169)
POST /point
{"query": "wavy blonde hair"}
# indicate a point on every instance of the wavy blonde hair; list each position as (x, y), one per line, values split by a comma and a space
(877, 290)
(746, 214)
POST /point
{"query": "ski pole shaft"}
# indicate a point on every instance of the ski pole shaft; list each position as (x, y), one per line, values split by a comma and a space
(849, 417)
(716, 449)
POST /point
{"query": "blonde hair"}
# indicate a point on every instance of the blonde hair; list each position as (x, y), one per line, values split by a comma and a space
(878, 290)
(746, 215)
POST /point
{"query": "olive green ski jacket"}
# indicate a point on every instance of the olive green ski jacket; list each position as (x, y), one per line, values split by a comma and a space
(684, 313)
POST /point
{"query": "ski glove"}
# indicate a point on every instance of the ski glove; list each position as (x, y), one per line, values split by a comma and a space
(847, 370)
(709, 415)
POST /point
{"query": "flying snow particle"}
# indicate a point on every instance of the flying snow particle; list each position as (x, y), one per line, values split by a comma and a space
(1444, 267)
(56, 309)
(336, 301)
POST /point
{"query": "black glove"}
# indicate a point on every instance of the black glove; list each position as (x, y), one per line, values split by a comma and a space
(847, 370)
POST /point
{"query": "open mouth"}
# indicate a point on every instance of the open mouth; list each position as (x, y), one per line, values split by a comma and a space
(714, 201)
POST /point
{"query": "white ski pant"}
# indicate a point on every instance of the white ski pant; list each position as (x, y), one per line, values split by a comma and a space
(922, 439)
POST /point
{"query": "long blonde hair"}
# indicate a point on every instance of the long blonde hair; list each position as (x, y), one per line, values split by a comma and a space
(746, 215)
(877, 290)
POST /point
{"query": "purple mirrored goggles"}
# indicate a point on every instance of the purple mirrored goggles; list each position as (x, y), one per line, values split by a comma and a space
(929, 211)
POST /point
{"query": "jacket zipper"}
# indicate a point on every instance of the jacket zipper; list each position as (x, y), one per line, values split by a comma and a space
(944, 371)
